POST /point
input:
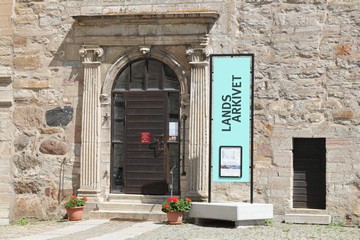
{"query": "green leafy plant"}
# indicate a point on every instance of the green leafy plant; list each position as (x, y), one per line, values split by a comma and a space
(76, 202)
(22, 222)
(268, 222)
(337, 224)
(174, 204)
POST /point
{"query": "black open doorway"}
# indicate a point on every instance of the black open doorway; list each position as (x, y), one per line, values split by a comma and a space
(309, 182)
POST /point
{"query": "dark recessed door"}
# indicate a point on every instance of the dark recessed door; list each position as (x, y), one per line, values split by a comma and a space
(145, 163)
(309, 157)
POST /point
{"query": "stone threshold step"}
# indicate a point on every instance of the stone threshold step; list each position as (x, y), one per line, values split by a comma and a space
(308, 218)
(127, 206)
(128, 215)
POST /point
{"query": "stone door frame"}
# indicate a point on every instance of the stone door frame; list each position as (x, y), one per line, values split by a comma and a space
(100, 73)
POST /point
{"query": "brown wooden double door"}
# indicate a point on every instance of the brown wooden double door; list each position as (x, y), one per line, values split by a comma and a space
(145, 164)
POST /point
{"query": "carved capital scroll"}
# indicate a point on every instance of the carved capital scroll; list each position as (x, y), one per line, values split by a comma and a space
(90, 53)
(201, 53)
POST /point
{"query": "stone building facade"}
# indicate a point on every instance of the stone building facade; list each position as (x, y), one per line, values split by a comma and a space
(61, 61)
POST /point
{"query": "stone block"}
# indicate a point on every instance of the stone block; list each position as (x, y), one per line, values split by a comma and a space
(6, 131)
(5, 188)
(4, 221)
(72, 52)
(5, 102)
(5, 41)
(232, 211)
(27, 62)
(59, 116)
(283, 158)
(51, 130)
(6, 31)
(5, 60)
(19, 41)
(91, 10)
(53, 147)
(50, 96)
(29, 116)
(27, 165)
(5, 197)
(50, 21)
(5, 21)
(308, 218)
(279, 183)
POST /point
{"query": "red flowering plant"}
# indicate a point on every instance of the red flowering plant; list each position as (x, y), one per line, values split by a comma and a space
(76, 202)
(174, 204)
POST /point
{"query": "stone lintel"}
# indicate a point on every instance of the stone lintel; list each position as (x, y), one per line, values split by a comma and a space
(140, 40)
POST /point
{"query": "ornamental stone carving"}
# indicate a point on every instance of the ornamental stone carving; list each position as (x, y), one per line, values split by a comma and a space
(199, 120)
(201, 53)
(90, 53)
(90, 128)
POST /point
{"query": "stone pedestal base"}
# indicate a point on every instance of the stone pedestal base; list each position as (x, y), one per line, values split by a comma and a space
(91, 194)
(243, 214)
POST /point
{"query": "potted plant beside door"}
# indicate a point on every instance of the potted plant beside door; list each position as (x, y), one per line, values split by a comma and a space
(75, 207)
(175, 209)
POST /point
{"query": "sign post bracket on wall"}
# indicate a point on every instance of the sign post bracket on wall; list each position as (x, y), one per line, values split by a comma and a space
(231, 119)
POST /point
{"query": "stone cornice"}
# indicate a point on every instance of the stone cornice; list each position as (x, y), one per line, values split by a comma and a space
(206, 17)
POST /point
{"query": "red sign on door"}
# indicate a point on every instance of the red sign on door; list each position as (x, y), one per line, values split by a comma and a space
(145, 137)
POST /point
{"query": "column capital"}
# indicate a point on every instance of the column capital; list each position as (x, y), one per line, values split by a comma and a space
(200, 54)
(90, 53)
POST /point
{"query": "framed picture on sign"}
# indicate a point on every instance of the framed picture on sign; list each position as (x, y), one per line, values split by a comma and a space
(230, 161)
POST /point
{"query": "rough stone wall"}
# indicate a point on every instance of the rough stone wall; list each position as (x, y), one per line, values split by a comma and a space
(6, 126)
(306, 85)
(46, 95)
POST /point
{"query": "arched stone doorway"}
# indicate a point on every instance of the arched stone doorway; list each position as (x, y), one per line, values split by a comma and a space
(145, 129)
(187, 55)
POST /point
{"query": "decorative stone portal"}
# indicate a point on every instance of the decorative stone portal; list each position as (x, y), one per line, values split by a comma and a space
(127, 38)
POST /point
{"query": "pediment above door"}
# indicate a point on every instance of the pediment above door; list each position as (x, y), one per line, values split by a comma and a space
(135, 29)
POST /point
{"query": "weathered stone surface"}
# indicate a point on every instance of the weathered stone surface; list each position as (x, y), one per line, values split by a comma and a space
(306, 85)
(31, 84)
(22, 186)
(51, 130)
(27, 62)
(53, 147)
(27, 165)
(21, 142)
(29, 206)
(25, 96)
(28, 116)
(59, 116)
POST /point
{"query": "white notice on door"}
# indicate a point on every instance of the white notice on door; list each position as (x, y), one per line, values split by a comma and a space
(173, 129)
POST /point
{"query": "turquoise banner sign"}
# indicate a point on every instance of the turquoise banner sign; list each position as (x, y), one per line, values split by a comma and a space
(231, 96)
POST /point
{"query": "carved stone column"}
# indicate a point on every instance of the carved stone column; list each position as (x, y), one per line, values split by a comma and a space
(199, 122)
(90, 129)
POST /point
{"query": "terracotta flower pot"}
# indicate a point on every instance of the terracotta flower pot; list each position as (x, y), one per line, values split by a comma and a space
(175, 217)
(75, 214)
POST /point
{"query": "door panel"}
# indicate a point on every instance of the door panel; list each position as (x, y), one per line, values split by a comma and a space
(145, 164)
